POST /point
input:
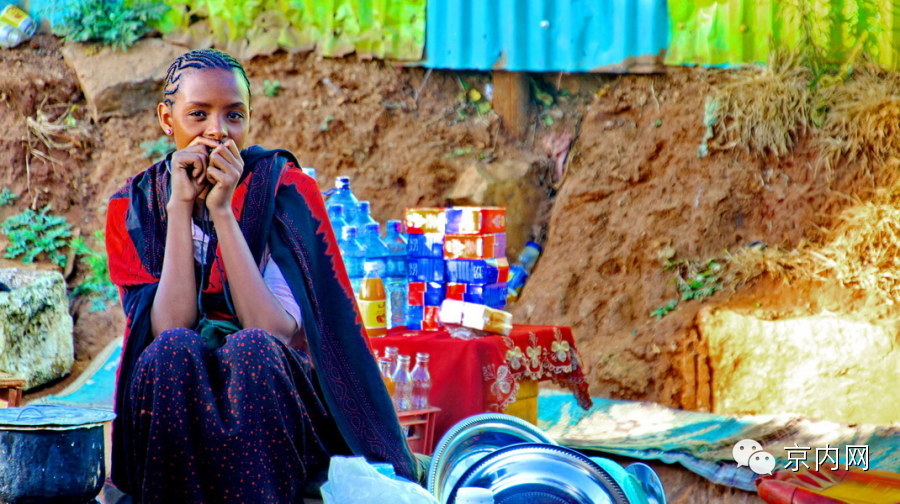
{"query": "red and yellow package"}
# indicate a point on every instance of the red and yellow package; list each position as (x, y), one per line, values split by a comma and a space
(426, 220)
(489, 246)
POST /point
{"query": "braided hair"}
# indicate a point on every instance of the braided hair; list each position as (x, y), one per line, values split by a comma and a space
(200, 59)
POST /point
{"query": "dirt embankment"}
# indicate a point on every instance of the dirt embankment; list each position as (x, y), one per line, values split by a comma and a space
(633, 185)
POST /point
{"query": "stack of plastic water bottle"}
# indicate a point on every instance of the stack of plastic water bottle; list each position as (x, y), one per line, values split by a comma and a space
(368, 256)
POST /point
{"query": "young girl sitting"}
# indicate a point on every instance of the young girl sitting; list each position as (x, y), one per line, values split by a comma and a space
(245, 366)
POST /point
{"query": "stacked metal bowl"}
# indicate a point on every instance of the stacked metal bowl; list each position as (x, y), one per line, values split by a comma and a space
(520, 465)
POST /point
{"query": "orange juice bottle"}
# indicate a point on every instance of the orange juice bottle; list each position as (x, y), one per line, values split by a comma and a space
(372, 302)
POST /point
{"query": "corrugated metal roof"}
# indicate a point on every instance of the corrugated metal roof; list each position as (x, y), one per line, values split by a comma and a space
(728, 32)
(543, 35)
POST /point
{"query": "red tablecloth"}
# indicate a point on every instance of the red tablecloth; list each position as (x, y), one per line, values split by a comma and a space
(474, 376)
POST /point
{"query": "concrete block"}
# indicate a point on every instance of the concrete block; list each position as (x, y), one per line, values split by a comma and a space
(36, 341)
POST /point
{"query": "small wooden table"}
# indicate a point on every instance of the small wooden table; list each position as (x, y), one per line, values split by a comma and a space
(10, 390)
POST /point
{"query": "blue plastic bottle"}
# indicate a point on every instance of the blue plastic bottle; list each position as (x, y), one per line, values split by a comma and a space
(342, 195)
(396, 279)
(519, 272)
(376, 252)
(363, 215)
(354, 257)
(336, 216)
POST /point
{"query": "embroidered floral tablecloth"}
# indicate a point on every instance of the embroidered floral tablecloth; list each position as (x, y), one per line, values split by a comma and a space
(475, 376)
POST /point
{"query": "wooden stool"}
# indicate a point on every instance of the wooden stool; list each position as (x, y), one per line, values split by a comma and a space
(10, 390)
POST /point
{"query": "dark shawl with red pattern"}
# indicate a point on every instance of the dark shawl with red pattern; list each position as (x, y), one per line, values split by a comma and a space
(277, 205)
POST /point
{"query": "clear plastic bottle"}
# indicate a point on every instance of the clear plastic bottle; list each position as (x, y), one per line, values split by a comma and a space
(336, 216)
(372, 303)
(364, 214)
(376, 252)
(354, 257)
(343, 195)
(402, 384)
(421, 382)
(396, 279)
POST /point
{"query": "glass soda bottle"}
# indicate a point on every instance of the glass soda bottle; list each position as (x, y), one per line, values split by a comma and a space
(390, 354)
(342, 195)
(402, 385)
(421, 382)
(384, 366)
(364, 214)
(396, 279)
(353, 255)
(373, 303)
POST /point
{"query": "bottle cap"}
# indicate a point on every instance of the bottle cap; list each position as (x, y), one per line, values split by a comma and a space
(364, 206)
(349, 232)
(341, 182)
(372, 227)
(391, 350)
(395, 225)
(474, 495)
(403, 358)
(422, 356)
(337, 209)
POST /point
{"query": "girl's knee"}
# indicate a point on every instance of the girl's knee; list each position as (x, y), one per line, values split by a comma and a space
(176, 341)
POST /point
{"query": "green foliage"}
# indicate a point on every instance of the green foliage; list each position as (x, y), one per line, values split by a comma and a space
(7, 197)
(97, 284)
(114, 23)
(664, 310)
(271, 88)
(700, 283)
(157, 149)
(693, 281)
(33, 233)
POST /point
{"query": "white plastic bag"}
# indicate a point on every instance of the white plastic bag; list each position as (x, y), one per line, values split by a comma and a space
(351, 480)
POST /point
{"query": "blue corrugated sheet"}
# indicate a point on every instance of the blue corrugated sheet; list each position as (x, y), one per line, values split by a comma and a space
(543, 35)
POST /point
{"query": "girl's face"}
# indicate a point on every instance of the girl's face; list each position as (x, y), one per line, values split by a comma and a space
(212, 103)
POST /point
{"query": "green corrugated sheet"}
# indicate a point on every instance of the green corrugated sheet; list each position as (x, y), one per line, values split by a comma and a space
(732, 32)
(393, 29)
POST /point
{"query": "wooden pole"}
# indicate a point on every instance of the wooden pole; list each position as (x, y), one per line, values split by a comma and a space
(511, 101)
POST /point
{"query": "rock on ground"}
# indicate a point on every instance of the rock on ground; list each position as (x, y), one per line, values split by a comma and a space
(821, 367)
(35, 326)
(121, 83)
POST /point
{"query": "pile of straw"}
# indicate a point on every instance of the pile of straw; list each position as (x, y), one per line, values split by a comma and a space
(863, 119)
(763, 109)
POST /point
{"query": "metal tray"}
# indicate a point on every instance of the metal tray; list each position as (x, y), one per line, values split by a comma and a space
(469, 441)
(541, 474)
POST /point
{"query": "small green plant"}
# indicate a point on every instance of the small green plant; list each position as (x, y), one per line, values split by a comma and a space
(157, 149)
(7, 197)
(693, 281)
(116, 23)
(96, 285)
(33, 233)
(271, 88)
(700, 283)
(664, 310)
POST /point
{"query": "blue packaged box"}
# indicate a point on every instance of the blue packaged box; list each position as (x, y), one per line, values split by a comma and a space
(491, 295)
(414, 317)
(425, 245)
(480, 271)
(423, 269)
(435, 292)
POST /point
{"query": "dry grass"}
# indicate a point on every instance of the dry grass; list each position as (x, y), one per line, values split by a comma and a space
(58, 131)
(863, 119)
(861, 253)
(762, 109)
(864, 251)
(749, 263)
